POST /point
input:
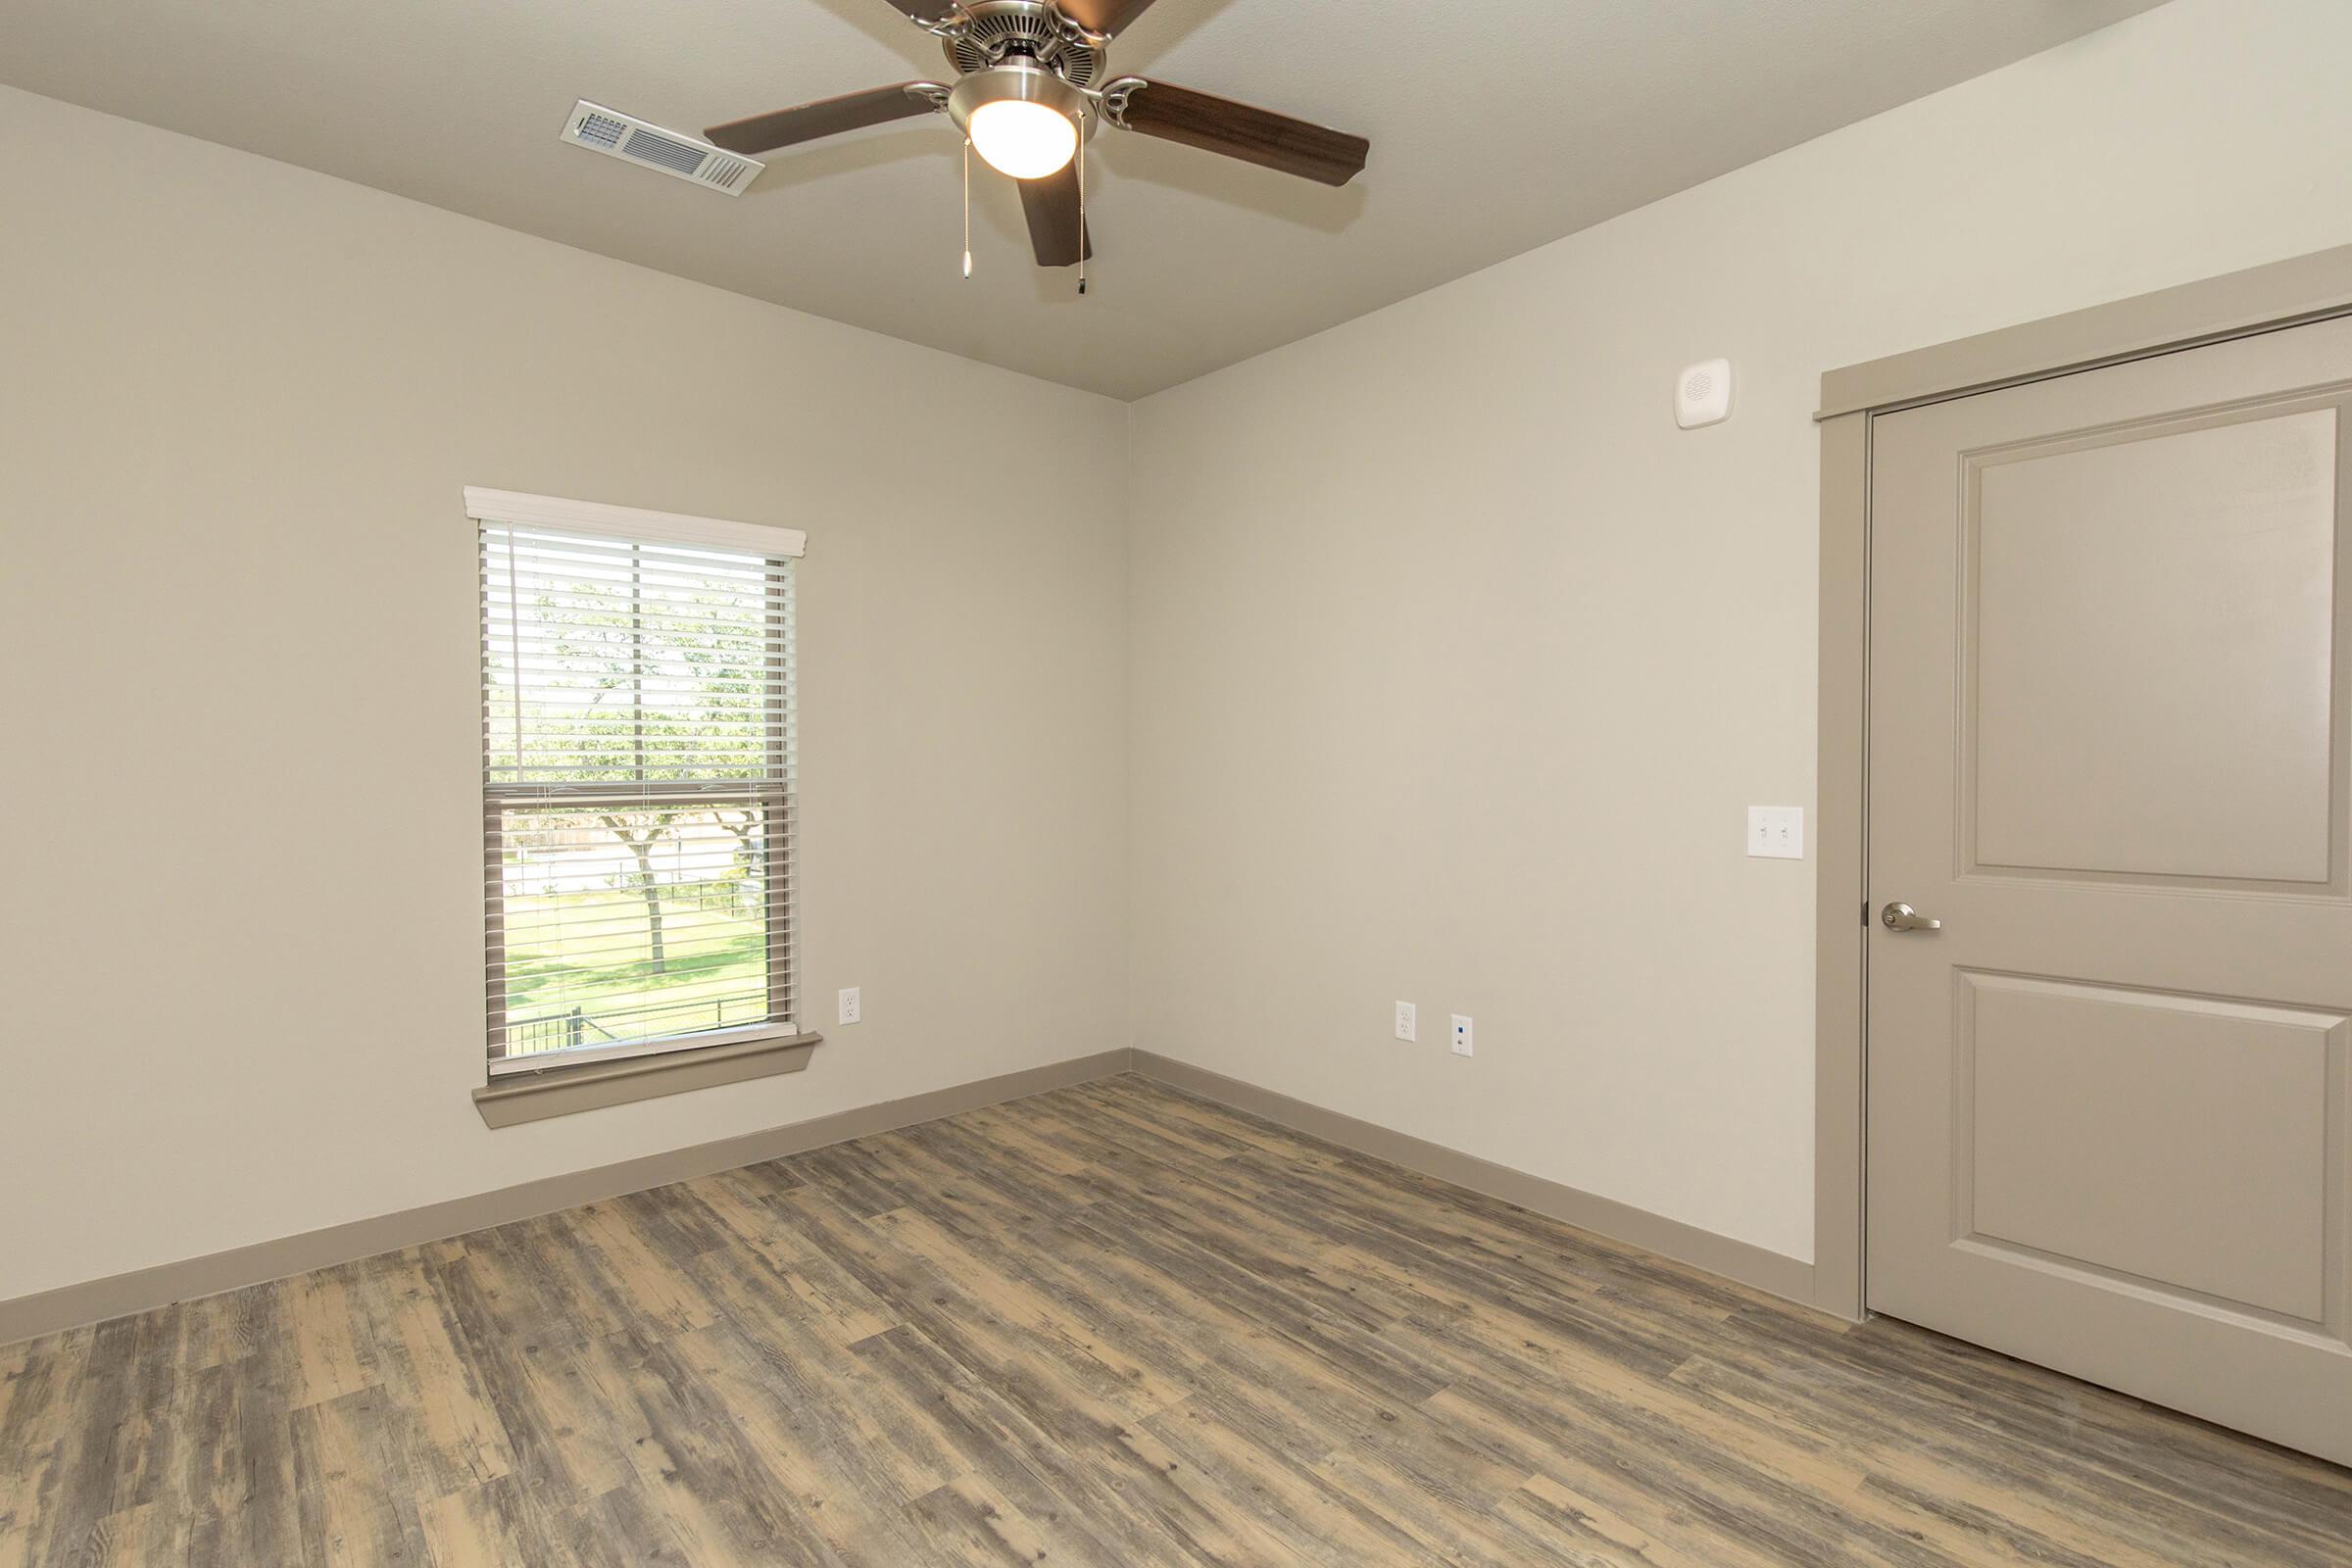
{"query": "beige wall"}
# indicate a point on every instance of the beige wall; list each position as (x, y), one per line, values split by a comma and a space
(240, 947)
(1453, 663)
(1456, 665)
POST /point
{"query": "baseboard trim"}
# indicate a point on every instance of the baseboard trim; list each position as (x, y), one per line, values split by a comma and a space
(144, 1289)
(1745, 1262)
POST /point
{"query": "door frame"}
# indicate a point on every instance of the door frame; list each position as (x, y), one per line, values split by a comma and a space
(2262, 299)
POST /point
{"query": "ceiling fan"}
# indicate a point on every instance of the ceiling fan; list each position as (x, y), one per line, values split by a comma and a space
(1030, 87)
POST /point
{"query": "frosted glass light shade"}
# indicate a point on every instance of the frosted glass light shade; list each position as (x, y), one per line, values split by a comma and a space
(1026, 140)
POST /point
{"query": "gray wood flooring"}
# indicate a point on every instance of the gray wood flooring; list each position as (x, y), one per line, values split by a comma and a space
(1109, 1325)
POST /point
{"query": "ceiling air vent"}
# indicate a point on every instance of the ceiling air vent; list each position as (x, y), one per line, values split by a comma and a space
(633, 140)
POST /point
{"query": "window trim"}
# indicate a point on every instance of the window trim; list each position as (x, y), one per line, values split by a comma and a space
(501, 1067)
(632, 522)
(639, 1068)
(561, 1091)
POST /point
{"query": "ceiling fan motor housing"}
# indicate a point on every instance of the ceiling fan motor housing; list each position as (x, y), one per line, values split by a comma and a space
(990, 32)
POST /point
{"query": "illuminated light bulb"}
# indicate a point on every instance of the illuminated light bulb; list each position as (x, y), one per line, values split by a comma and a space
(1026, 140)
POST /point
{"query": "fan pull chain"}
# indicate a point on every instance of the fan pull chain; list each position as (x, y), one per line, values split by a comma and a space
(1081, 201)
(968, 206)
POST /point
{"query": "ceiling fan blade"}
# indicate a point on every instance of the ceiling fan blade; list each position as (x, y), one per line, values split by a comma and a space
(1107, 17)
(1253, 135)
(827, 117)
(1051, 205)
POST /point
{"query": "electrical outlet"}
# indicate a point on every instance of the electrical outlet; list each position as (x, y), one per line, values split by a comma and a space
(849, 1006)
(1406, 1025)
(1776, 832)
(1461, 1035)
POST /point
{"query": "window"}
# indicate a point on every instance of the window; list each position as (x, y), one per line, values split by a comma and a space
(637, 780)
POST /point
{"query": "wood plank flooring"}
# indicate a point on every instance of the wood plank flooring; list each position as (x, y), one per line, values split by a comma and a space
(1109, 1325)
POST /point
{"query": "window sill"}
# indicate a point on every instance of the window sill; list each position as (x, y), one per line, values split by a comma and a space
(594, 1085)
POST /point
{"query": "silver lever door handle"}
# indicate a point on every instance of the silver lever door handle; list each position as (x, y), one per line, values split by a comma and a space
(1903, 917)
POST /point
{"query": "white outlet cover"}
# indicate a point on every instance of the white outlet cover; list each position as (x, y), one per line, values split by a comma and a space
(1776, 832)
(1461, 1035)
(1407, 1022)
(1702, 394)
(849, 1006)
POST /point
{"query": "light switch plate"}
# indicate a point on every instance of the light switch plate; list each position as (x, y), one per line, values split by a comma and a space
(1776, 832)
(848, 1005)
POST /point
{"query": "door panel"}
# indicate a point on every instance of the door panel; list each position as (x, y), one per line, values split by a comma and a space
(2110, 1098)
(2182, 1141)
(2153, 608)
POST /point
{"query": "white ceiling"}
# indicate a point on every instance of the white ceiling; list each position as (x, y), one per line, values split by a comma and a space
(1495, 125)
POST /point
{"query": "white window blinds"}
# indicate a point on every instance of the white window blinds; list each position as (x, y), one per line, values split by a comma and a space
(637, 781)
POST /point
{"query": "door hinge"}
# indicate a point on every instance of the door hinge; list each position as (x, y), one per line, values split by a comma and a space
(1866, 914)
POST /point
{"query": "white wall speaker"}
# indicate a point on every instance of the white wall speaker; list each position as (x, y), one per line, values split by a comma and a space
(1702, 394)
